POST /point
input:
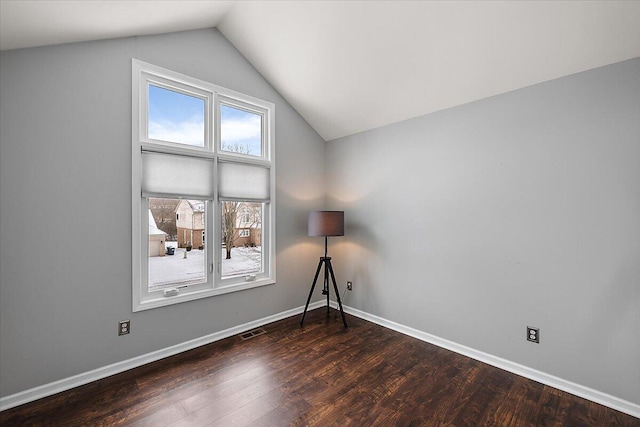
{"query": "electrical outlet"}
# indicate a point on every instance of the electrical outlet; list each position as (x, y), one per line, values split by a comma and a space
(533, 334)
(349, 286)
(124, 327)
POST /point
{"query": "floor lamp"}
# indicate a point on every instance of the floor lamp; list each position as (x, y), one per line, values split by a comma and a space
(325, 224)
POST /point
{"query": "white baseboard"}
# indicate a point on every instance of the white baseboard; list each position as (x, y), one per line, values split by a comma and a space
(116, 368)
(524, 371)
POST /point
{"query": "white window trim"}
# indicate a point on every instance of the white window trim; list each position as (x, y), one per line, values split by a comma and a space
(180, 87)
(213, 94)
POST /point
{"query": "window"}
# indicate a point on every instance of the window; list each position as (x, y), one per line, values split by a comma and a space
(183, 266)
(202, 189)
(240, 130)
(175, 116)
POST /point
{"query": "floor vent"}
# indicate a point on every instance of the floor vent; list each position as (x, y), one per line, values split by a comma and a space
(251, 334)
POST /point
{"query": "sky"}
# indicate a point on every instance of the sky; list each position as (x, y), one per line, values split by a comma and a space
(177, 117)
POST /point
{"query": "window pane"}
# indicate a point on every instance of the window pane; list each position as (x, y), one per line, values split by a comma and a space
(176, 117)
(240, 131)
(241, 238)
(176, 243)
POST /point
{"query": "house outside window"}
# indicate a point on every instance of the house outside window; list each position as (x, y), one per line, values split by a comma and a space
(202, 189)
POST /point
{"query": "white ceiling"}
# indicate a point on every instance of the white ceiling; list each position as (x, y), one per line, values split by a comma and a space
(349, 66)
(28, 23)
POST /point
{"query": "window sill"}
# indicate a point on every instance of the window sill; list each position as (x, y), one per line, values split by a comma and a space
(206, 293)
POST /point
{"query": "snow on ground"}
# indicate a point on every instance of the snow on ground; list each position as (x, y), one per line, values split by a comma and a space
(243, 261)
(172, 270)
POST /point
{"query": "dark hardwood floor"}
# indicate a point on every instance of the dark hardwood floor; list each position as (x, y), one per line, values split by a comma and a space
(320, 375)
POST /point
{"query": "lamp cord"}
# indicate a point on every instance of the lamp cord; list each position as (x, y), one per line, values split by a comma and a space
(344, 291)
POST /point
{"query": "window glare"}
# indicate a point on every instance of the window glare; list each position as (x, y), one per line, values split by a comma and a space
(176, 117)
(240, 131)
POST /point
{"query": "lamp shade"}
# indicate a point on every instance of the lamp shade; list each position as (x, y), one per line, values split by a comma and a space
(326, 223)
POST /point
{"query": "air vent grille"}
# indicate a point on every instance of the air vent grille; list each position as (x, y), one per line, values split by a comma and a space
(254, 333)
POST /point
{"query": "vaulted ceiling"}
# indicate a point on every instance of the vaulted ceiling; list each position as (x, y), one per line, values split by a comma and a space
(350, 66)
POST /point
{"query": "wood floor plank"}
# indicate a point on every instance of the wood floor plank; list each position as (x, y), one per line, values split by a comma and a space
(224, 404)
(284, 414)
(162, 417)
(320, 374)
(553, 407)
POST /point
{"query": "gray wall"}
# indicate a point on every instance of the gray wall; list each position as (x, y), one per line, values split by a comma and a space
(65, 211)
(520, 209)
(470, 223)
